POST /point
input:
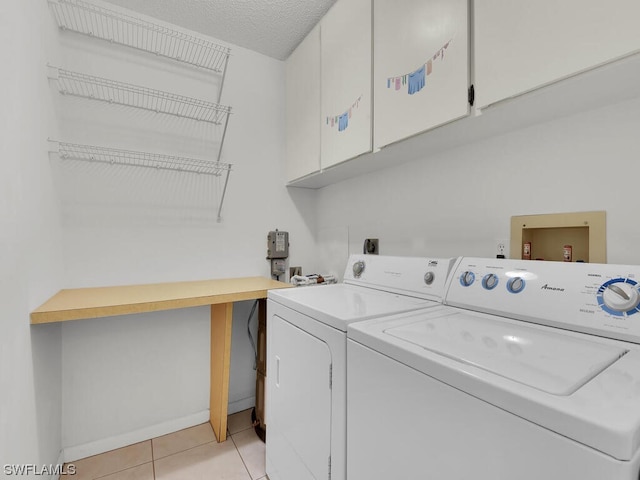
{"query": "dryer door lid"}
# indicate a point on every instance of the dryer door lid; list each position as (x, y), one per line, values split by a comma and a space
(542, 358)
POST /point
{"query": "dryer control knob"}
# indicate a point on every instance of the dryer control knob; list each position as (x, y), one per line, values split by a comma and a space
(621, 296)
(490, 281)
(467, 278)
(516, 284)
(358, 268)
(429, 277)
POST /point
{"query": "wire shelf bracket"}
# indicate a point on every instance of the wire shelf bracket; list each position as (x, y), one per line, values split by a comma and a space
(114, 156)
(116, 27)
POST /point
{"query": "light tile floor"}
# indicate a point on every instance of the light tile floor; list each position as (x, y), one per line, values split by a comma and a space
(191, 454)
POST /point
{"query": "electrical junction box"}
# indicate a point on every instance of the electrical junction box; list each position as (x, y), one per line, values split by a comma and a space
(277, 245)
(278, 266)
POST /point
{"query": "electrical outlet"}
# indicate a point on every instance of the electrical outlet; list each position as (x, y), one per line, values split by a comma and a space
(371, 246)
(501, 248)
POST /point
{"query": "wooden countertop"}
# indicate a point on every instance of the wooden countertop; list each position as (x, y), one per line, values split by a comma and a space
(84, 303)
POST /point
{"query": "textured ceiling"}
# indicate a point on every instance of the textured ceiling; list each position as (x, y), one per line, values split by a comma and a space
(270, 27)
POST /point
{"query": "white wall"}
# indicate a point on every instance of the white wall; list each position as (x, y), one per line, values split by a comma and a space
(461, 201)
(130, 378)
(30, 241)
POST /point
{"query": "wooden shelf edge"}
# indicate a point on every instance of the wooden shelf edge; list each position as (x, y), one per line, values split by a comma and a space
(47, 314)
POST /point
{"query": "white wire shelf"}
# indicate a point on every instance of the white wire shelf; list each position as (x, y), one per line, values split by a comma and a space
(112, 91)
(114, 156)
(96, 21)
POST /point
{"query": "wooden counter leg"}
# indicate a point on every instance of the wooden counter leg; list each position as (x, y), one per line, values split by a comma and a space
(221, 322)
(261, 373)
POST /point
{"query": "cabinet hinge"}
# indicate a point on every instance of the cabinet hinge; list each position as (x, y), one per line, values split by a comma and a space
(471, 95)
(330, 375)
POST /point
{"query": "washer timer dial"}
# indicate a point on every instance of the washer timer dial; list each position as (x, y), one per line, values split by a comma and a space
(516, 284)
(619, 296)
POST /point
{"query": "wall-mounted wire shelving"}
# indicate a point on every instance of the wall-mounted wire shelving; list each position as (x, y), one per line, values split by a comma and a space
(119, 28)
(115, 156)
(116, 27)
(120, 93)
(112, 91)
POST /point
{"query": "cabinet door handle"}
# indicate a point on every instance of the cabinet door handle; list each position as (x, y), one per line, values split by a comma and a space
(277, 371)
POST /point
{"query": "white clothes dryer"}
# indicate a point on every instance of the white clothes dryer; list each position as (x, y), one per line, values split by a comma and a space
(306, 356)
(531, 372)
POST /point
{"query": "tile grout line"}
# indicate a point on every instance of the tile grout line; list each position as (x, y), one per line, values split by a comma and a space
(180, 451)
(153, 460)
(187, 449)
(241, 457)
(119, 471)
(250, 427)
(122, 470)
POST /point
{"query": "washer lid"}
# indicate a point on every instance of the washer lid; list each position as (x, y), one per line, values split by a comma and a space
(544, 359)
(604, 413)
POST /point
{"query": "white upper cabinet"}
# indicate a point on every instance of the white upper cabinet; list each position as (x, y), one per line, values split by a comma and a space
(521, 45)
(303, 108)
(421, 66)
(346, 81)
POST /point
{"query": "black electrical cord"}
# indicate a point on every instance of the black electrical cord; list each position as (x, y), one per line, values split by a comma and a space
(253, 344)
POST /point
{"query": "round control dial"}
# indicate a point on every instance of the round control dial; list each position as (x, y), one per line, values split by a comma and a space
(490, 281)
(358, 268)
(467, 278)
(516, 284)
(619, 296)
(429, 277)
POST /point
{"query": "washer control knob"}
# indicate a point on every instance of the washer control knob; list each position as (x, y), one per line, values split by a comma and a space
(467, 278)
(490, 281)
(429, 277)
(358, 268)
(516, 284)
(621, 297)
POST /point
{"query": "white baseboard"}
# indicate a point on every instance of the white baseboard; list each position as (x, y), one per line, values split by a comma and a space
(77, 452)
(240, 405)
(59, 462)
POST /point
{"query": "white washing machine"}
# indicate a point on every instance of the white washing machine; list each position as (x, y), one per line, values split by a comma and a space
(306, 356)
(532, 373)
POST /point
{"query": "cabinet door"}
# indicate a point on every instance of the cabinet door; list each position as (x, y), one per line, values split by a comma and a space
(421, 66)
(303, 108)
(521, 45)
(346, 81)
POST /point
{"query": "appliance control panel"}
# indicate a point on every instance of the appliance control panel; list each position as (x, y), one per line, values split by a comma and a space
(600, 299)
(421, 277)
